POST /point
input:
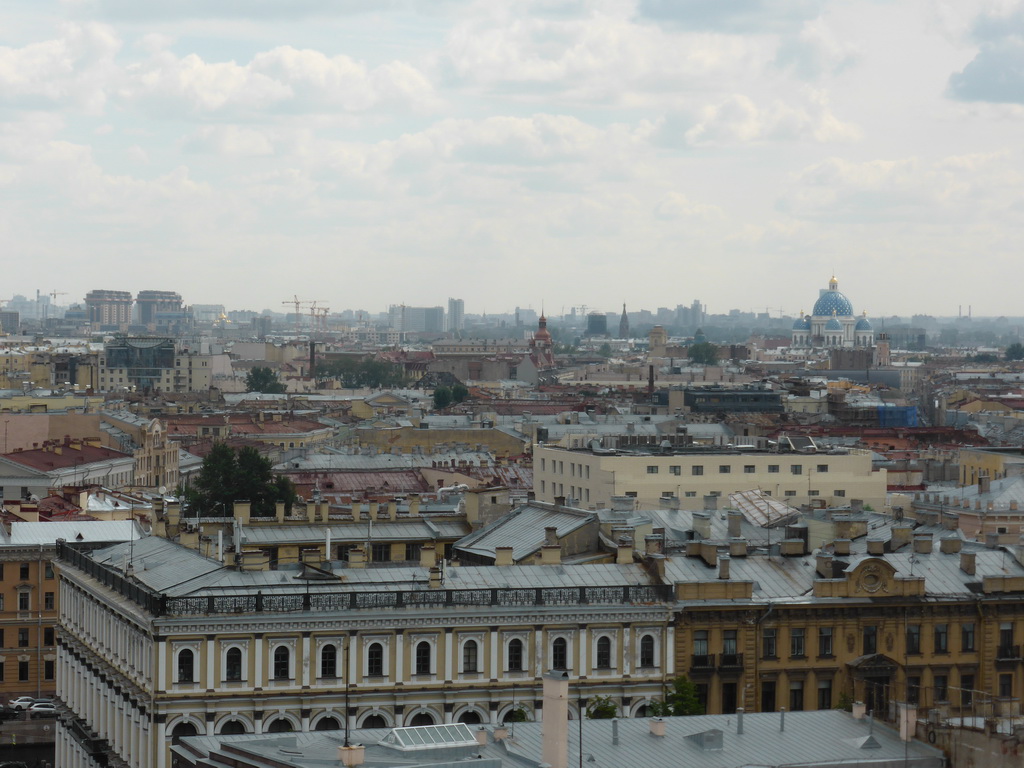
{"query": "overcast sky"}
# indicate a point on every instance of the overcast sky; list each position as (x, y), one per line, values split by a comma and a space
(511, 152)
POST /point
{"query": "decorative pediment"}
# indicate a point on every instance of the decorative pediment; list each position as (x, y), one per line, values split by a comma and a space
(873, 576)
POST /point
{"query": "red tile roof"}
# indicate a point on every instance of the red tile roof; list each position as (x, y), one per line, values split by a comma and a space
(47, 459)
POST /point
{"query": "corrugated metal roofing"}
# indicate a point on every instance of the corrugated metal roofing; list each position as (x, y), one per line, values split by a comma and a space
(34, 534)
(523, 530)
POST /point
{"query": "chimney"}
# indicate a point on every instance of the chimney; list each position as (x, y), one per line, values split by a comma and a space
(723, 567)
(841, 547)
(392, 510)
(739, 721)
(984, 484)
(551, 554)
(949, 545)
(435, 578)
(908, 721)
(428, 556)
(559, 501)
(414, 505)
(550, 535)
(782, 719)
(653, 544)
(352, 756)
(503, 556)
(843, 526)
(950, 521)
(374, 506)
(991, 540)
(711, 502)
(242, 511)
(876, 546)
(657, 727)
(859, 710)
(481, 736)
(735, 518)
(967, 562)
(902, 534)
(737, 547)
(500, 733)
(279, 512)
(701, 525)
(554, 724)
(791, 547)
(823, 565)
(923, 543)
(624, 552)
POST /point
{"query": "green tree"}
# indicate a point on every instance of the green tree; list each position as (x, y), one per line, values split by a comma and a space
(353, 373)
(227, 476)
(263, 380)
(703, 353)
(602, 708)
(517, 714)
(605, 350)
(459, 393)
(442, 398)
(681, 700)
(1015, 351)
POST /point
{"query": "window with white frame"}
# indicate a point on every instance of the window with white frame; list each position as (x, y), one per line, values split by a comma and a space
(514, 655)
(233, 664)
(375, 660)
(186, 665)
(603, 654)
(329, 660)
(559, 653)
(282, 663)
(647, 651)
(423, 657)
(471, 656)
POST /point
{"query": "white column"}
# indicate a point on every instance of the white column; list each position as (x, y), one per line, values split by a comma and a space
(495, 669)
(582, 653)
(399, 658)
(668, 650)
(211, 657)
(449, 663)
(539, 654)
(307, 662)
(161, 666)
(627, 643)
(258, 663)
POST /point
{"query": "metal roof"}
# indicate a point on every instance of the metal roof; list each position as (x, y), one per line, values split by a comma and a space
(35, 534)
(523, 530)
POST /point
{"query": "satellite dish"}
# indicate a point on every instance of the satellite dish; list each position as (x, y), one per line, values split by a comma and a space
(163, 489)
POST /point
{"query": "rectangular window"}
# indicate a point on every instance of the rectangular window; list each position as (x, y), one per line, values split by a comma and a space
(729, 642)
(675, 469)
(690, 494)
(381, 553)
(748, 469)
(966, 690)
(941, 683)
(870, 640)
(913, 690)
(724, 469)
(796, 696)
(768, 649)
(23, 638)
(840, 494)
(49, 571)
(796, 469)
(48, 601)
(23, 571)
(700, 642)
(773, 469)
(796, 643)
(824, 694)
(941, 638)
(913, 638)
(967, 637)
(813, 493)
(48, 636)
(411, 552)
(696, 469)
(24, 603)
(23, 671)
(48, 669)
(790, 493)
(822, 468)
(768, 696)
(652, 469)
(825, 642)
(1006, 686)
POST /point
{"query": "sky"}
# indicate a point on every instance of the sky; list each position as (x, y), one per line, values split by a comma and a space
(554, 153)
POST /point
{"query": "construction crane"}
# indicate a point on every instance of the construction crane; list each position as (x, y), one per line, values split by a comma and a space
(298, 303)
(314, 311)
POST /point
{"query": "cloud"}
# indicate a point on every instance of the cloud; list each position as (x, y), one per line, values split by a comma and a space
(130, 10)
(73, 69)
(283, 79)
(996, 73)
(741, 16)
(228, 140)
(815, 51)
(737, 119)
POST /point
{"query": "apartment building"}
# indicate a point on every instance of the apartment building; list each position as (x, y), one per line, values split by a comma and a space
(593, 477)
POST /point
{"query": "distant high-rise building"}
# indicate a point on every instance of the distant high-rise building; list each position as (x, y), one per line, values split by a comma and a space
(416, 319)
(456, 315)
(597, 324)
(109, 309)
(624, 324)
(148, 303)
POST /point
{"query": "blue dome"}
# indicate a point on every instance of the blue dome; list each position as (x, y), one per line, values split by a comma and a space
(863, 325)
(802, 323)
(833, 324)
(832, 302)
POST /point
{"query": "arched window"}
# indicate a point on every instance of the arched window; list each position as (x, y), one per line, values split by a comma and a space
(374, 721)
(375, 660)
(604, 653)
(470, 652)
(423, 663)
(470, 718)
(184, 728)
(280, 725)
(329, 661)
(328, 724)
(515, 655)
(232, 726)
(233, 665)
(422, 718)
(186, 666)
(647, 651)
(559, 653)
(282, 667)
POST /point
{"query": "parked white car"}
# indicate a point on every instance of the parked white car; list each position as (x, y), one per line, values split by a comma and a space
(21, 703)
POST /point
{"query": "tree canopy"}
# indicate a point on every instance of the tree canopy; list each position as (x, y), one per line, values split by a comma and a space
(703, 353)
(352, 373)
(602, 708)
(1015, 351)
(228, 476)
(681, 700)
(263, 380)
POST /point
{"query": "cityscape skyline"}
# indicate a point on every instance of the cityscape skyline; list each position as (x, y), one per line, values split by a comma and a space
(242, 151)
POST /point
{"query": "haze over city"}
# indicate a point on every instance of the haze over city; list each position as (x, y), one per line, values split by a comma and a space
(647, 152)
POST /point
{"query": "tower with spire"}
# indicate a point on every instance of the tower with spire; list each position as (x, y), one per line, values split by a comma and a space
(624, 324)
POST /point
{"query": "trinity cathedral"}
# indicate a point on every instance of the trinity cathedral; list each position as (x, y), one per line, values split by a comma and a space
(832, 323)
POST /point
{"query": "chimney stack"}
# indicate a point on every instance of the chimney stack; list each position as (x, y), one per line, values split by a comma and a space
(555, 720)
(923, 543)
(723, 567)
(967, 562)
(657, 727)
(739, 721)
(950, 544)
(701, 525)
(550, 535)
(503, 556)
(352, 756)
(624, 552)
(428, 556)
(551, 554)
(435, 578)
(735, 518)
